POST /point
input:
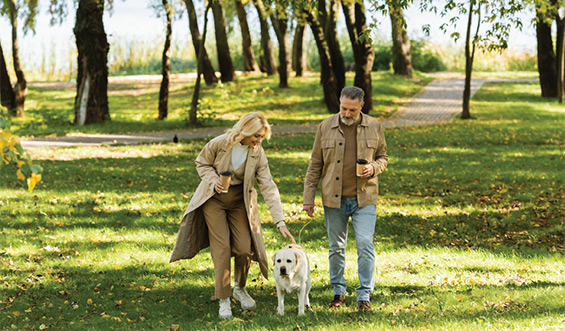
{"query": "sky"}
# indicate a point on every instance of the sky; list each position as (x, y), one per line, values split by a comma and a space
(134, 20)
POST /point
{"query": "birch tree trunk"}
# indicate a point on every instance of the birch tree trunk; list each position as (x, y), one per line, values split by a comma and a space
(91, 101)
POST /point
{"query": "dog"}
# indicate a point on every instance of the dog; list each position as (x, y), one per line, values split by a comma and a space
(292, 274)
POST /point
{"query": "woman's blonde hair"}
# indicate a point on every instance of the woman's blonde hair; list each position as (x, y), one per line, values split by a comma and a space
(247, 126)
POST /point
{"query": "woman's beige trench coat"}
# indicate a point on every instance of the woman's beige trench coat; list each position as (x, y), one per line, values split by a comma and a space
(213, 159)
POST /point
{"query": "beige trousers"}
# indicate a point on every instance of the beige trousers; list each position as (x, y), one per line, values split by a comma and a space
(229, 234)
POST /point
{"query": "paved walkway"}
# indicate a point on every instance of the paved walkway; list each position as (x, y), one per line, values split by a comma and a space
(438, 102)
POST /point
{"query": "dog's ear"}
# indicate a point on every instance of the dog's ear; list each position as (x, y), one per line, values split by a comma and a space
(298, 260)
(274, 257)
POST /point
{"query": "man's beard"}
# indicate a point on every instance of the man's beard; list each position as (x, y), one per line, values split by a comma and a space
(350, 122)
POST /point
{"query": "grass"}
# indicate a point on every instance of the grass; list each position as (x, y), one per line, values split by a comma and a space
(469, 234)
(133, 105)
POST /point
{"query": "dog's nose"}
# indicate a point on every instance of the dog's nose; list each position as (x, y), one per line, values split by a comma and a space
(283, 270)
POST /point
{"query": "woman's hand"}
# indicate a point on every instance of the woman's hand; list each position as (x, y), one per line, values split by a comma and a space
(219, 187)
(286, 234)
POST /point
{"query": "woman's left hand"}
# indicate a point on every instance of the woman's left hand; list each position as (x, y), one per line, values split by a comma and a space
(286, 234)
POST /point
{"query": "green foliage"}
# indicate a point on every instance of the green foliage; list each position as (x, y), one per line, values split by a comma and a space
(469, 233)
(383, 57)
(12, 153)
(424, 57)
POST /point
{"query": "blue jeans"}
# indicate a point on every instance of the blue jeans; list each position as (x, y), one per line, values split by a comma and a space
(364, 220)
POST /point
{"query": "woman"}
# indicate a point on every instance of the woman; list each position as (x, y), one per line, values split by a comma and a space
(229, 222)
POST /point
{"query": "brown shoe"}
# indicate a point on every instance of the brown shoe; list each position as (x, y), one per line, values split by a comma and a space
(364, 306)
(337, 301)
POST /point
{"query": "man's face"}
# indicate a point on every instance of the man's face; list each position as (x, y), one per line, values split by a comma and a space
(349, 110)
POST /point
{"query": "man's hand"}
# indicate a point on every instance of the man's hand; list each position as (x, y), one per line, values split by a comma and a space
(368, 171)
(284, 231)
(309, 209)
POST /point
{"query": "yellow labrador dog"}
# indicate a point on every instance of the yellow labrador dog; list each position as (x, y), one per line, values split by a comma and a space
(292, 274)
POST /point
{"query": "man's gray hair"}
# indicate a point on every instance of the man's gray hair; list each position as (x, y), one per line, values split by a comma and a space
(353, 92)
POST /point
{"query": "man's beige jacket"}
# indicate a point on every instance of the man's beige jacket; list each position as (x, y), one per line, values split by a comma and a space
(326, 163)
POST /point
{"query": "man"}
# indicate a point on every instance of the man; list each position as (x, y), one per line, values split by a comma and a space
(340, 141)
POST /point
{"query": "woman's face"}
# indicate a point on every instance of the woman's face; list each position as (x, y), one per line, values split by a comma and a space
(254, 139)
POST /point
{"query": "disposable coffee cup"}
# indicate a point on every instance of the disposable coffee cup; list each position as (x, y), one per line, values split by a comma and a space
(225, 176)
(361, 163)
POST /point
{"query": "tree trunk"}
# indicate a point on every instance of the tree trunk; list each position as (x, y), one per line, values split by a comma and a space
(329, 21)
(298, 54)
(401, 59)
(91, 102)
(207, 68)
(20, 90)
(166, 65)
(249, 62)
(362, 50)
(547, 65)
(328, 80)
(466, 114)
(200, 64)
(7, 97)
(222, 46)
(268, 61)
(280, 24)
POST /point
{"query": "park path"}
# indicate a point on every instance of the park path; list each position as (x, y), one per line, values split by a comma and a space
(438, 102)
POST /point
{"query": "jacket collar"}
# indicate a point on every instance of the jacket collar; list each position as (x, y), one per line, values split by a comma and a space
(334, 120)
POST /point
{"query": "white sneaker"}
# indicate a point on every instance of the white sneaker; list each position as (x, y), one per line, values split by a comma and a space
(241, 295)
(225, 308)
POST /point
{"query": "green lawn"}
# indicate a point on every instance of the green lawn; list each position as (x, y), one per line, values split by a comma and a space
(134, 106)
(469, 235)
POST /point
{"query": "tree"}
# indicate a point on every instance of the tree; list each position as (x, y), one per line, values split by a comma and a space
(91, 101)
(500, 16)
(550, 59)
(328, 78)
(279, 18)
(298, 53)
(329, 24)
(207, 68)
(7, 97)
(401, 59)
(268, 62)
(249, 62)
(166, 63)
(12, 8)
(200, 64)
(363, 52)
(222, 46)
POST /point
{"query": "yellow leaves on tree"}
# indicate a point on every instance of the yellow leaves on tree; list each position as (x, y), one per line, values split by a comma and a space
(12, 152)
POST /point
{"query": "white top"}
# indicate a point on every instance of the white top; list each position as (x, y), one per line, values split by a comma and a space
(238, 155)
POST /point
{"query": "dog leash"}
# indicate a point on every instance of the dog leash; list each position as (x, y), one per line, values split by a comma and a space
(300, 232)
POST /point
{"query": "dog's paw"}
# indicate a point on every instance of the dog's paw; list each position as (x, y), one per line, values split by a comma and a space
(280, 310)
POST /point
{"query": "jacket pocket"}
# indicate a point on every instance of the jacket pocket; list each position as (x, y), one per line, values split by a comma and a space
(328, 149)
(368, 149)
